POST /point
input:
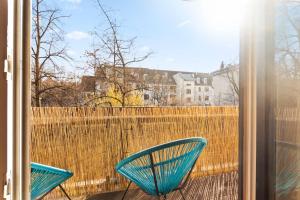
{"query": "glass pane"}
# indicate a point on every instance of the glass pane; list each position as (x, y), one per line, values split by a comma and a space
(287, 111)
(111, 78)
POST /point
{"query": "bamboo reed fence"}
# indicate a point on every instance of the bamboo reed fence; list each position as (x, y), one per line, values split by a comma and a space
(90, 142)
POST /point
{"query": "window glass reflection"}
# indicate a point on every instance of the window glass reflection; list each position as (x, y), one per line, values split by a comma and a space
(287, 63)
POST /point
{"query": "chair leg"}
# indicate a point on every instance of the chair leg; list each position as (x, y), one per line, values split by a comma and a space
(181, 194)
(63, 190)
(42, 197)
(126, 190)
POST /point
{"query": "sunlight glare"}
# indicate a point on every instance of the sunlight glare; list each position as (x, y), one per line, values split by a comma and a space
(223, 15)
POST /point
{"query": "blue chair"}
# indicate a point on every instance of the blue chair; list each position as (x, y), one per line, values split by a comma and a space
(45, 178)
(164, 168)
(288, 174)
(288, 180)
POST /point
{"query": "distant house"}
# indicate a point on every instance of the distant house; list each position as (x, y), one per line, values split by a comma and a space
(225, 85)
(161, 87)
(158, 87)
(194, 89)
(88, 84)
(169, 88)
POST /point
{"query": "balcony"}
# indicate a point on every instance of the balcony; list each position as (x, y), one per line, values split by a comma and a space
(90, 142)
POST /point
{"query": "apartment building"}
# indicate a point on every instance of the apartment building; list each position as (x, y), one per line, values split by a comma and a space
(226, 85)
(194, 89)
(170, 88)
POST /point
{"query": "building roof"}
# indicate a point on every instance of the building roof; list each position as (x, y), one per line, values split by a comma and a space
(198, 78)
(225, 70)
(157, 76)
(187, 77)
(147, 75)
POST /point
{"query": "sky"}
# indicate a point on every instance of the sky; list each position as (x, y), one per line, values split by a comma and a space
(195, 35)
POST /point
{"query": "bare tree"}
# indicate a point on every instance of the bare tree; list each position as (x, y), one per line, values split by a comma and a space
(110, 58)
(47, 50)
(160, 95)
(229, 76)
(232, 76)
(287, 53)
(65, 96)
(288, 40)
(160, 90)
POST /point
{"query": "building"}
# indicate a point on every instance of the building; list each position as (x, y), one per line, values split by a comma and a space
(158, 87)
(226, 85)
(194, 89)
(170, 88)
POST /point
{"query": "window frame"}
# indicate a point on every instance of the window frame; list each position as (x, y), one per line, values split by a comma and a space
(256, 170)
(19, 113)
(3, 94)
(248, 181)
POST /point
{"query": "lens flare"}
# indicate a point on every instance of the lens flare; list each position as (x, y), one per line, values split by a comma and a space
(222, 14)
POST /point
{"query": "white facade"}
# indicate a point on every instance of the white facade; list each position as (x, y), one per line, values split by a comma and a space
(166, 88)
(224, 83)
(193, 89)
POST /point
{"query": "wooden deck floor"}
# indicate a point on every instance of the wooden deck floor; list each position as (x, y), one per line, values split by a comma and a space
(217, 187)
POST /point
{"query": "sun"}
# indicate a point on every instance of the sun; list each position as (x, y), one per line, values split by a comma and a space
(222, 15)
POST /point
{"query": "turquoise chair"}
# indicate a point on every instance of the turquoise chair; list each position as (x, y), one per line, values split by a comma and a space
(45, 178)
(164, 168)
(288, 180)
(288, 177)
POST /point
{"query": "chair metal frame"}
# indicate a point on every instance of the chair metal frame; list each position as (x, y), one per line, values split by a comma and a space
(61, 188)
(179, 188)
(49, 169)
(181, 185)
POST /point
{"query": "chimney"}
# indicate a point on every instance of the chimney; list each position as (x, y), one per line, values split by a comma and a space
(222, 65)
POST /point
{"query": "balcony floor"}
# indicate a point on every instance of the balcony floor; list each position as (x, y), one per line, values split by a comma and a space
(217, 187)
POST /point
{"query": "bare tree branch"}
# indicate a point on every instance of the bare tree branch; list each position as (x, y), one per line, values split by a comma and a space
(47, 51)
(110, 60)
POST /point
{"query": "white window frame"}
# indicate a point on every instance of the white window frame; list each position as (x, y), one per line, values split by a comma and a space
(18, 97)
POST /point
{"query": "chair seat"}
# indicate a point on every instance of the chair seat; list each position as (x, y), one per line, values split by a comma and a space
(288, 180)
(164, 166)
(45, 178)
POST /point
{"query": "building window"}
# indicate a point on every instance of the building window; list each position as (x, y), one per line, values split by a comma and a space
(205, 80)
(145, 76)
(188, 91)
(206, 89)
(200, 98)
(206, 98)
(146, 97)
(188, 84)
(199, 89)
(188, 100)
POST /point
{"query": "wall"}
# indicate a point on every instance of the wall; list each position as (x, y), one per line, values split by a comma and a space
(223, 92)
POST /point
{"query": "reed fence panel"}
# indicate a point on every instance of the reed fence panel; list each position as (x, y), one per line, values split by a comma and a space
(91, 141)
